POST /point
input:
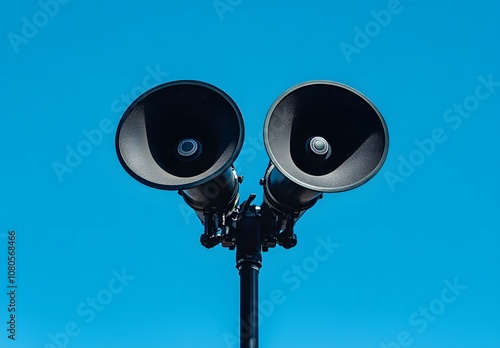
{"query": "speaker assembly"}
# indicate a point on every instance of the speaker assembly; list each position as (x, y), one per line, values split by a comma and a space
(320, 136)
(185, 135)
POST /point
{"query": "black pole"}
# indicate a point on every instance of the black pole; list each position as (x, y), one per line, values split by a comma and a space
(249, 306)
(248, 262)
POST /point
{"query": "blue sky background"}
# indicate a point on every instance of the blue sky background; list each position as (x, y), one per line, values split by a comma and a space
(400, 241)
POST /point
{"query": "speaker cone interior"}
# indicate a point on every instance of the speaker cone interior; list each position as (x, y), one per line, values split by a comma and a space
(325, 136)
(179, 135)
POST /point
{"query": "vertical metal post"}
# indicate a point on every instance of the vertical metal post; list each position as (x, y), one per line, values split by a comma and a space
(248, 262)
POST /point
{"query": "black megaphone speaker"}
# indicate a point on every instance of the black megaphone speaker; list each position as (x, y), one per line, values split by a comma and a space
(321, 136)
(185, 135)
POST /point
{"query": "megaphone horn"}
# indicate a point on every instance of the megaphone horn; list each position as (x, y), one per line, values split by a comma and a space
(321, 136)
(185, 135)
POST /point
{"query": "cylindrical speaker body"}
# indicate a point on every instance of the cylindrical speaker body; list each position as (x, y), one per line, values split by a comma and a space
(217, 195)
(285, 195)
(285, 199)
